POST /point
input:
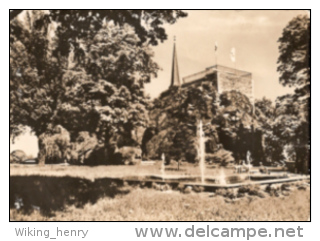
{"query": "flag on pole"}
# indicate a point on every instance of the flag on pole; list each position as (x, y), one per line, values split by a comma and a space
(216, 51)
(233, 55)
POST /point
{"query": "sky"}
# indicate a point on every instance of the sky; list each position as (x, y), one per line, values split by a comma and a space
(254, 35)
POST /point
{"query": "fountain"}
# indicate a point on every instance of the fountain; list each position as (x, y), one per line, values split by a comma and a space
(221, 180)
(163, 158)
(222, 177)
(249, 162)
(201, 152)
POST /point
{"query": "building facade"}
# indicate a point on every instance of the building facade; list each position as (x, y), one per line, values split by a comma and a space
(223, 78)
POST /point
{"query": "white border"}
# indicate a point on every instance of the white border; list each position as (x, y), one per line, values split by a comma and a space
(125, 230)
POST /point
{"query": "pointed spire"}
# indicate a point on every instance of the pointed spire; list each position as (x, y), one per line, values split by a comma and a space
(175, 79)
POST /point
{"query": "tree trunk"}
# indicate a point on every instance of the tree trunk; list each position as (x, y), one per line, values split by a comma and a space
(41, 153)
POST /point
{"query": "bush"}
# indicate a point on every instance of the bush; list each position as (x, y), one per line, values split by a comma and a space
(54, 145)
(198, 188)
(228, 193)
(128, 155)
(87, 150)
(222, 157)
(157, 145)
(231, 194)
(187, 190)
(221, 192)
(273, 190)
(180, 187)
(191, 155)
(253, 190)
(17, 156)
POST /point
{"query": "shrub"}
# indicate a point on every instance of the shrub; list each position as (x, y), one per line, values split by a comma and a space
(17, 156)
(228, 193)
(54, 145)
(180, 187)
(191, 155)
(253, 190)
(222, 157)
(187, 190)
(221, 192)
(273, 190)
(86, 150)
(128, 155)
(198, 188)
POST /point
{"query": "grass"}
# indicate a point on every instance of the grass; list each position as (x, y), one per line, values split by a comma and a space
(81, 193)
(110, 171)
(151, 205)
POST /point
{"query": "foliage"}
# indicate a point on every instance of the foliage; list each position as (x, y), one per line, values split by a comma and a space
(107, 92)
(54, 144)
(294, 59)
(86, 150)
(17, 156)
(229, 124)
(286, 125)
(80, 24)
(292, 123)
(265, 114)
(264, 111)
(221, 157)
(239, 131)
(34, 78)
(176, 116)
(127, 155)
(84, 70)
(292, 127)
(86, 200)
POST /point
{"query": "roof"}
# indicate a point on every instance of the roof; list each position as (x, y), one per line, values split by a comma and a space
(213, 69)
(175, 79)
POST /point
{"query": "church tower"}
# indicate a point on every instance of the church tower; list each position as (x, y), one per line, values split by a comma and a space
(175, 78)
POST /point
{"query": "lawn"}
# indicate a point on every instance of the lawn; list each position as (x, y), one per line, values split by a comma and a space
(112, 171)
(79, 193)
(151, 205)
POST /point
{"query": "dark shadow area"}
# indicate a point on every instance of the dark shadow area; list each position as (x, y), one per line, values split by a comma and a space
(55, 193)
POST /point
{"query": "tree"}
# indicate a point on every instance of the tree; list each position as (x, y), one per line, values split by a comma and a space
(265, 115)
(239, 131)
(176, 114)
(292, 123)
(79, 24)
(292, 127)
(295, 50)
(83, 70)
(35, 77)
(294, 64)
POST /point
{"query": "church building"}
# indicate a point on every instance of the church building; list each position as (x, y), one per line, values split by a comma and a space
(223, 78)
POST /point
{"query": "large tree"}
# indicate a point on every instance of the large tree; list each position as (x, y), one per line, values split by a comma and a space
(228, 123)
(175, 115)
(84, 70)
(292, 123)
(78, 24)
(295, 50)
(265, 114)
(35, 76)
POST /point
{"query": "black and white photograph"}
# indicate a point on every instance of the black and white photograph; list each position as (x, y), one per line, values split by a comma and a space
(160, 115)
